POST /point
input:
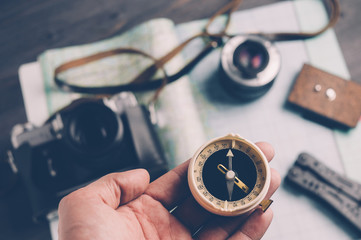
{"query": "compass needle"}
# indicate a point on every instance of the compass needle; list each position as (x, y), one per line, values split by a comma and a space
(230, 175)
(236, 180)
(230, 156)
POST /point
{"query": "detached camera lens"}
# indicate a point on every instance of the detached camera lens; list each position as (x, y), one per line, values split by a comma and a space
(249, 65)
(93, 128)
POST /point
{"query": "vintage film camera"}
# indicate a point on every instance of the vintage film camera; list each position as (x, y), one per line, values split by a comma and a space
(82, 142)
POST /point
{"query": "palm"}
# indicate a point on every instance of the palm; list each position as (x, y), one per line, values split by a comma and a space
(125, 206)
(149, 219)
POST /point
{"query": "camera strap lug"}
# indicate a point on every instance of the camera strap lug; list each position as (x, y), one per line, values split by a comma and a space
(152, 113)
(57, 125)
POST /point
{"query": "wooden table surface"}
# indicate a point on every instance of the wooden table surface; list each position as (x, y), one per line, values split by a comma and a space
(27, 28)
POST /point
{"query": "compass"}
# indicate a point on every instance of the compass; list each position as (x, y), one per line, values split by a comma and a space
(229, 176)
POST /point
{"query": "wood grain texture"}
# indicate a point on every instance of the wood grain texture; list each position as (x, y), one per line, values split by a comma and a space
(27, 28)
(344, 109)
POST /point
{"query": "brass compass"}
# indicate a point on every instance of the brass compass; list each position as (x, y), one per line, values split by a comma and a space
(229, 176)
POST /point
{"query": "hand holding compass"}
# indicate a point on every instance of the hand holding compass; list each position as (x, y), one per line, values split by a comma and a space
(121, 203)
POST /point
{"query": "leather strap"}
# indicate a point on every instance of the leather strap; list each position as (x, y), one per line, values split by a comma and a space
(144, 80)
(334, 13)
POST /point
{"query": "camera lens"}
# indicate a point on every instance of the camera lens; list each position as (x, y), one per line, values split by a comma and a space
(249, 65)
(93, 128)
(250, 58)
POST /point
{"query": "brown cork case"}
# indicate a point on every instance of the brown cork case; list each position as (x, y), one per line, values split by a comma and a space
(327, 95)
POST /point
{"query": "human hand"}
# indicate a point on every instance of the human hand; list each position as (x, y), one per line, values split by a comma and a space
(125, 206)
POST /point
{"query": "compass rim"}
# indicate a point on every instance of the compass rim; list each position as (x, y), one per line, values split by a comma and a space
(205, 202)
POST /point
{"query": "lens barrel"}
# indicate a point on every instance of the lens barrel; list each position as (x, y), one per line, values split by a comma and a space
(249, 65)
(93, 129)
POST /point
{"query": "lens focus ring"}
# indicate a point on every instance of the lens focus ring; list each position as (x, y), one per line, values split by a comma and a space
(249, 64)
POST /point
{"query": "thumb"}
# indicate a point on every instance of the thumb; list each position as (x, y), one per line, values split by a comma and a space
(118, 188)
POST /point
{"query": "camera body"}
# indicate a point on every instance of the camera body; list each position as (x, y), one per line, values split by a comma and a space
(82, 142)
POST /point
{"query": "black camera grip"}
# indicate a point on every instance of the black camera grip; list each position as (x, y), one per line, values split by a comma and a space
(146, 142)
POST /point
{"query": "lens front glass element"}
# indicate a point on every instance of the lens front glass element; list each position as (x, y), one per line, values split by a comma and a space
(93, 127)
(250, 58)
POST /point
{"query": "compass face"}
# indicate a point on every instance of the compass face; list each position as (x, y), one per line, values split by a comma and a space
(229, 175)
(214, 179)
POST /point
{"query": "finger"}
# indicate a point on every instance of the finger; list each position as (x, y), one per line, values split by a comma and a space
(116, 188)
(255, 226)
(223, 227)
(267, 149)
(171, 188)
(275, 183)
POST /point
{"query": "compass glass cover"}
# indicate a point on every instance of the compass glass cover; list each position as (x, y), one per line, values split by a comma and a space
(211, 165)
